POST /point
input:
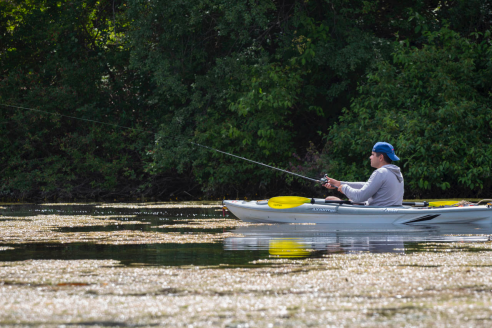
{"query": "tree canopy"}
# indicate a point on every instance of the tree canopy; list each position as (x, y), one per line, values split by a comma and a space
(307, 86)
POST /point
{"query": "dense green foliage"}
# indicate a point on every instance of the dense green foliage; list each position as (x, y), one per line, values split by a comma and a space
(248, 78)
(267, 80)
(69, 58)
(434, 105)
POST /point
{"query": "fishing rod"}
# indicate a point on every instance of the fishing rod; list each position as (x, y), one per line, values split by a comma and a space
(321, 180)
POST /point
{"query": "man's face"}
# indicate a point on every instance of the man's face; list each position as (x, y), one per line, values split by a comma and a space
(376, 160)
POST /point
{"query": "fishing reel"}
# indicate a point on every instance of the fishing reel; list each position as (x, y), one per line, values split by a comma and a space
(324, 180)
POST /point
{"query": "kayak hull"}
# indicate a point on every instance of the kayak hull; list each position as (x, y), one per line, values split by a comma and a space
(320, 212)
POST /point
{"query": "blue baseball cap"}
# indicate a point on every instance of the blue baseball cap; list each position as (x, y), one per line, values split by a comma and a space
(384, 147)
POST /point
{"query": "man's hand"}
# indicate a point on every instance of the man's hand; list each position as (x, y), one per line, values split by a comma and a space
(332, 184)
(329, 186)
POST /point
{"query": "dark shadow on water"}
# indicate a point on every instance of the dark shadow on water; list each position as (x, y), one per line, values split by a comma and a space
(152, 254)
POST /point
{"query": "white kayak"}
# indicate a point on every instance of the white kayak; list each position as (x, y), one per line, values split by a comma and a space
(321, 212)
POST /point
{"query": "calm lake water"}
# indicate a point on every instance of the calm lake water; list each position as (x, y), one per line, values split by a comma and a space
(242, 244)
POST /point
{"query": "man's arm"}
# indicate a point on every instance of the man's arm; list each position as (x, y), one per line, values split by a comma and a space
(334, 184)
(366, 191)
(355, 185)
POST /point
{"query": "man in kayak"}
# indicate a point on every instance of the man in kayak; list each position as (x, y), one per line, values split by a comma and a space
(384, 187)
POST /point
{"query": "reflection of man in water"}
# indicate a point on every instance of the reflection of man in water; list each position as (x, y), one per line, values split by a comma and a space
(334, 248)
(377, 243)
(384, 187)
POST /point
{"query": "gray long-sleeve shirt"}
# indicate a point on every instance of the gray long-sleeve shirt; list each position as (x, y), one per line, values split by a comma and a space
(384, 188)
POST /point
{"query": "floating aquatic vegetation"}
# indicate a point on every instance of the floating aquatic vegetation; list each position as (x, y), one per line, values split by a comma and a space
(116, 216)
(164, 205)
(356, 290)
(437, 285)
(203, 204)
(45, 229)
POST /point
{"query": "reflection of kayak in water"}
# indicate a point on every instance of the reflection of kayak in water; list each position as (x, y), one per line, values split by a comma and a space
(287, 248)
(321, 212)
(288, 240)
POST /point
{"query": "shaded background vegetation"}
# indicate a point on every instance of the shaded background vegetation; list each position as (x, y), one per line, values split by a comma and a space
(307, 86)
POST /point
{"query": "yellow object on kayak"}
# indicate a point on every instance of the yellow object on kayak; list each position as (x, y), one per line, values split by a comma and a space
(287, 248)
(443, 203)
(282, 202)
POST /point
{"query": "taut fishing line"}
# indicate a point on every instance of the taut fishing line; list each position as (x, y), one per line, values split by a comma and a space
(322, 180)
